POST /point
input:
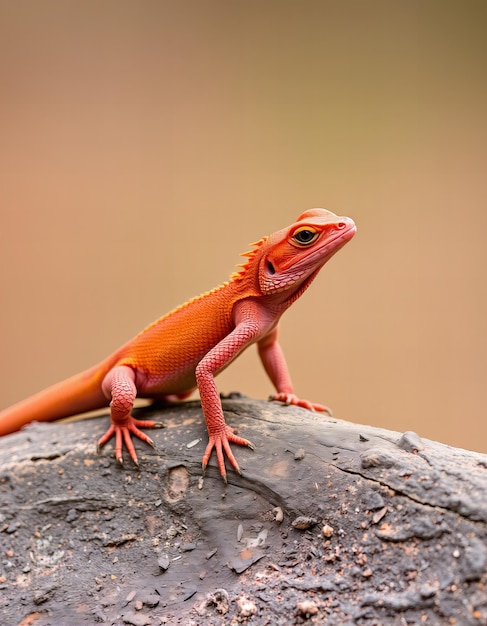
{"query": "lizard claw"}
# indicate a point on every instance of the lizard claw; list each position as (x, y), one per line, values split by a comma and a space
(220, 441)
(291, 398)
(123, 431)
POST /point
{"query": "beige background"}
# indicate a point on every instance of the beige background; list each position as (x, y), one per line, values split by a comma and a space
(145, 144)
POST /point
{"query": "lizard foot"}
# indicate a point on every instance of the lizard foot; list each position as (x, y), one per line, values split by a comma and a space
(220, 441)
(291, 398)
(123, 432)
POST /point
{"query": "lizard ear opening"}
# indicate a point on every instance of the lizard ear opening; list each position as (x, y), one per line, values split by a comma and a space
(270, 268)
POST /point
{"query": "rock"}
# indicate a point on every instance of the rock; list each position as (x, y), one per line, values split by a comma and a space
(394, 528)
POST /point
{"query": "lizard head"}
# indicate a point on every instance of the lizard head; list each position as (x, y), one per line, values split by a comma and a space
(291, 258)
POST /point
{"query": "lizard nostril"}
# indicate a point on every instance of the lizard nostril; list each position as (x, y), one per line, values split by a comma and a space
(341, 225)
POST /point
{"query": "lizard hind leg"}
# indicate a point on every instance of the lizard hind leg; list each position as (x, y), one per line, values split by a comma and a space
(119, 386)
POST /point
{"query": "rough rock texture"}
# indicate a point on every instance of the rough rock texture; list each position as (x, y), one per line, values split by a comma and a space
(331, 523)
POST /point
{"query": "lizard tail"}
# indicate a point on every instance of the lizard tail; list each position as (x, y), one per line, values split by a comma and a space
(78, 394)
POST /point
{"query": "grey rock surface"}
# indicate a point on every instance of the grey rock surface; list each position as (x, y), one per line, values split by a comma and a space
(331, 523)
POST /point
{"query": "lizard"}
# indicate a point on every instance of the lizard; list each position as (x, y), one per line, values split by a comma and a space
(186, 348)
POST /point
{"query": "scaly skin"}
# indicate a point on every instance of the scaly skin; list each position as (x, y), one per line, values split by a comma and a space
(190, 345)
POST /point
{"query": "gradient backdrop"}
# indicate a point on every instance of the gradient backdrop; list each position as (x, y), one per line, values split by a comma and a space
(144, 144)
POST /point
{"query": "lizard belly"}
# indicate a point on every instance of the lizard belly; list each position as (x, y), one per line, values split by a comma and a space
(154, 385)
(152, 382)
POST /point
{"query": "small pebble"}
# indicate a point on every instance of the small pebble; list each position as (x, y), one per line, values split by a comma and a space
(188, 547)
(302, 522)
(376, 457)
(151, 600)
(307, 607)
(163, 562)
(378, 515)
(327, 531)
(411, 442)
(246, 607)
(279, 514)
(130, 596)
(171, 532)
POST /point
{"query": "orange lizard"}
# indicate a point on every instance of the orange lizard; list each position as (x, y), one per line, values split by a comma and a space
(189, 346)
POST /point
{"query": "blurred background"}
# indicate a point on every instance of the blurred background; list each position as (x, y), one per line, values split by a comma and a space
(145, 144)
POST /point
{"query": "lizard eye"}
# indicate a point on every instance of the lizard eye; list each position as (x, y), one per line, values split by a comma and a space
(305, 236)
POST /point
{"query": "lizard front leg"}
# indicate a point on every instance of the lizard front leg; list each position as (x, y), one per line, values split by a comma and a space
(119, 386)
(275, 365)
(219, 433)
